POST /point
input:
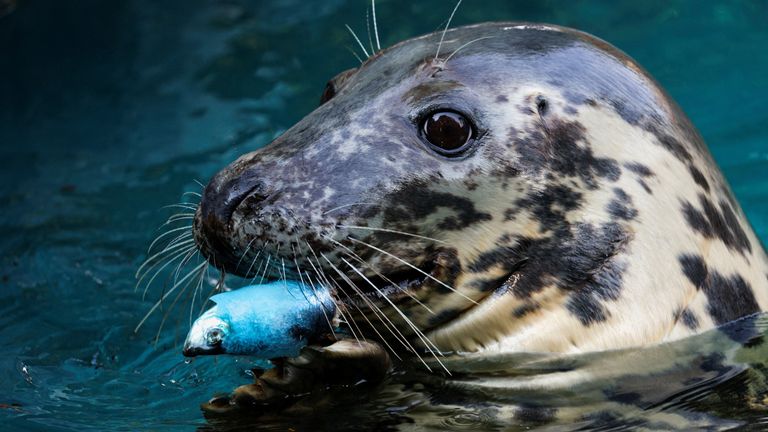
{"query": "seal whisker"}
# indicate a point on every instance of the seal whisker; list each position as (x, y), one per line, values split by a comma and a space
(181, 206)
(198, 290)
(168, 311)
(362, 47)
(247, 272)
(158, 254)
(368, 27)
(165, 234)
(465, 45)
(181, 265)
(391, 231)
(180, 216)
(340, 307)
(445, 30)
(419, 333)
(145, 267)
(266, 268)
(199, 195)
(375, 24)
(176, 256)
(247, 248)
(355, 54)
(359, 259)
(347, 205)
(169, 292)
(325, 313)
(314, 291)
(377, 311)
(411, 266)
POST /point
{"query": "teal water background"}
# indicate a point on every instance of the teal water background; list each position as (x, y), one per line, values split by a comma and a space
(110, 110)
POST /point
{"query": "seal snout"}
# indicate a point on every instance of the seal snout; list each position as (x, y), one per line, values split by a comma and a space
(213, 226)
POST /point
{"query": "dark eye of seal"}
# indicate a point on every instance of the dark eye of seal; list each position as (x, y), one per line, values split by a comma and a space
(448, 132)
(328, 93)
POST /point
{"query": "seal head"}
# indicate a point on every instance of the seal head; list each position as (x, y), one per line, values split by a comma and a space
(531, 188)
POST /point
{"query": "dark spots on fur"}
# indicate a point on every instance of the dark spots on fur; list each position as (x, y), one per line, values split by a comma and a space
(443, 317)
(586, 303)
(728, 297)
(621, 205)
(642, 172)
(673, 145)
(471, 184)
(721, 223)
(489, 285)
(503, 257)
(550, 205)
(501, 99)
(447, 267)
(524, 309)
(639, 169)
(645, 186)
(687, 317)
(416, 201)
(699, 178)
(583, 260)
(526, 110)
(572, 159)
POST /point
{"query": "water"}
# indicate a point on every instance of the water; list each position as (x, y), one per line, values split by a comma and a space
(110, 110)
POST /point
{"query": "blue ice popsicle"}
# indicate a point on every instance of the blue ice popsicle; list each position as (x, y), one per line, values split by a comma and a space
(266, 321)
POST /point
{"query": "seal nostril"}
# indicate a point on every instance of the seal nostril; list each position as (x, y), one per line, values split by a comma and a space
(221, 199)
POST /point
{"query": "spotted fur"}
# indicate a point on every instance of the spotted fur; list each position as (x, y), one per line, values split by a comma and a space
(588, 215)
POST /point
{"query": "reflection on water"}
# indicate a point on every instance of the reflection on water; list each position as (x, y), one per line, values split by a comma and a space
(110, 110)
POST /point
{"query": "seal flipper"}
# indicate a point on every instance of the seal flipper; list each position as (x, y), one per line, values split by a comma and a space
(307, 381)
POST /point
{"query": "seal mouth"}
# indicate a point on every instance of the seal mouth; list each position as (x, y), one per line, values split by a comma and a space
(395, 285)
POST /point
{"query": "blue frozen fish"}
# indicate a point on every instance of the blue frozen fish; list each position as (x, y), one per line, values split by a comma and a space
(267, 321)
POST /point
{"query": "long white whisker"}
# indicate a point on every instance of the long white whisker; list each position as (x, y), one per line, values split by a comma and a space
(165, 234)
(347, 205)
(164, 251)
(368, 28)
(357, 290)
(169, 292)
(355, 54)
(325, 313)
(375, 25)
(173, 257)
(412, 266)
(362, 261)
(468, 43)
(362, 47)
(181, 206)
(410, 323)
(448, 24)
(321, 275)
(248, 248)
(391, 231)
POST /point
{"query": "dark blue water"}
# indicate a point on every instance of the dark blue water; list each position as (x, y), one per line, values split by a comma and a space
(111, 109)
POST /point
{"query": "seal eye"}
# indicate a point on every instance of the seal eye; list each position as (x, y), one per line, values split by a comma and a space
(328, 93)
(214, 336)
(448, 132)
